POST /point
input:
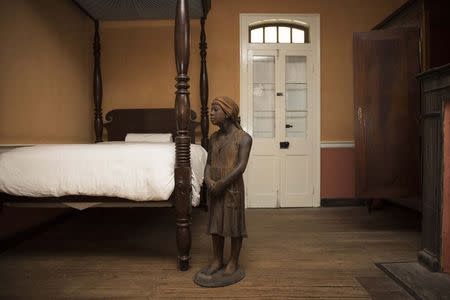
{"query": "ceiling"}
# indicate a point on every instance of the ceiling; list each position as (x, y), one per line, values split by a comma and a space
(108, 10)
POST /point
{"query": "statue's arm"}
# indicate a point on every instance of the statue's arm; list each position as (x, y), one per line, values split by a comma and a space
(245, 146)
(209, 182)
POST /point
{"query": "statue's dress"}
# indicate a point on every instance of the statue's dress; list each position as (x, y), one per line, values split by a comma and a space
(226, 211)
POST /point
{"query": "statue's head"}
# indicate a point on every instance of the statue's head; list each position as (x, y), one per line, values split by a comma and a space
(223, 108)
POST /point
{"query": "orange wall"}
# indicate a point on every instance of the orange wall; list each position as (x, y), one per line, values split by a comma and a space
(139, 69)
(337, 173)
(138, 64)
(45, 77)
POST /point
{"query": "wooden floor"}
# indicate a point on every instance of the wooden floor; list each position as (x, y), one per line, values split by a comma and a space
(324, 253)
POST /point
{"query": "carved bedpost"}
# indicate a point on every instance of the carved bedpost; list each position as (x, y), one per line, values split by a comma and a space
(204, 89)
(204, 95)
(182, 139)
(98, 88)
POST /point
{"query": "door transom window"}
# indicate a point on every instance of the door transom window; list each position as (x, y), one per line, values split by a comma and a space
(278, 33)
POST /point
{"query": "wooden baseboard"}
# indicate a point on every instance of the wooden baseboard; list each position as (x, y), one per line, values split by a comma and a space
(338, 202)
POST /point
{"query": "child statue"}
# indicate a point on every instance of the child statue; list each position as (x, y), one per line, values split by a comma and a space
(228, 154)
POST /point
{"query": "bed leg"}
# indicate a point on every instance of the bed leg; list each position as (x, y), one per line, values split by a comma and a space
(183, 264)
(183, 209)
(183, 243)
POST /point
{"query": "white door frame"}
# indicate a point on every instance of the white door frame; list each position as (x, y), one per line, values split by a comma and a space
(313, 22)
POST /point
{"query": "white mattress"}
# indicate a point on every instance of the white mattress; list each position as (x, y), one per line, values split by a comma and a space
(135, 171)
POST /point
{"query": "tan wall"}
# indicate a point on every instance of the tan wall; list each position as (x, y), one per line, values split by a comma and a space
(45, 77)
(138, 64)
(139, 69)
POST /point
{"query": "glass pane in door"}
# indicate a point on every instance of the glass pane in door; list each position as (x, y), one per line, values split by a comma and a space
(263, 96)
(296, 87)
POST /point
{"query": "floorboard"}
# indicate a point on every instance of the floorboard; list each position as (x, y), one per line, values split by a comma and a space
(321, 253)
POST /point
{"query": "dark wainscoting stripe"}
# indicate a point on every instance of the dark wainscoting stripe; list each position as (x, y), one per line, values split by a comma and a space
(333, 202)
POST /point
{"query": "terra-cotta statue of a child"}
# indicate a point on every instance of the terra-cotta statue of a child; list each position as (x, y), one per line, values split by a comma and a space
(228, 154)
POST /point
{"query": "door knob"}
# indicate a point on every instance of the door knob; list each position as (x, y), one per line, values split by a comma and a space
(289, 126)
(279, 94)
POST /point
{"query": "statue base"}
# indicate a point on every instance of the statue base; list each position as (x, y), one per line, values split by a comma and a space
(218, 279)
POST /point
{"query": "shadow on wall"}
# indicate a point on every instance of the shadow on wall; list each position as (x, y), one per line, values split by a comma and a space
(14, 220)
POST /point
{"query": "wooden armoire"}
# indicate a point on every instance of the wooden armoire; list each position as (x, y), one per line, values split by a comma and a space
(387, 98)
(435, 253)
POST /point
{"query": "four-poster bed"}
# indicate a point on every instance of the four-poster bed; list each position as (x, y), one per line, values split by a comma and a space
(178, 121)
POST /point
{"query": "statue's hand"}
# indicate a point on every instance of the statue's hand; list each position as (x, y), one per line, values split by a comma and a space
(217, 188)
(209, 183)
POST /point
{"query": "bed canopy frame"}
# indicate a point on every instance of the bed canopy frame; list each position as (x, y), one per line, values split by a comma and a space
(99, 10)
(157, 9)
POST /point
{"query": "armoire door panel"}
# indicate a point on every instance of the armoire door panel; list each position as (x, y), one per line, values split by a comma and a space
(386, 98)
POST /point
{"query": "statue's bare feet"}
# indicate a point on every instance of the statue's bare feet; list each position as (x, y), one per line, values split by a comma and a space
(213, 268)
(230, 268)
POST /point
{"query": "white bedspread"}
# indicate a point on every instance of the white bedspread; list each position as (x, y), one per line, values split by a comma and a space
(135, 171)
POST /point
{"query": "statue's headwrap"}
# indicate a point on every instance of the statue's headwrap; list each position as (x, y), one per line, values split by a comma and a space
(230, 108)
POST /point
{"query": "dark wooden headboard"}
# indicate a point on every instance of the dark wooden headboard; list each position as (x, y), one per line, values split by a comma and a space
(119, 122)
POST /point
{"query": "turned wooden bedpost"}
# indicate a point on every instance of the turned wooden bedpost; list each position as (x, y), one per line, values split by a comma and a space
(182, 139)
(204, 95)
(98, 88)
(204, 89)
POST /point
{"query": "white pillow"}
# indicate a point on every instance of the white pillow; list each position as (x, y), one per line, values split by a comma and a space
(149, 137)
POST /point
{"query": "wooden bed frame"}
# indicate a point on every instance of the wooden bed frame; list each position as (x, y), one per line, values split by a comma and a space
(179, 121)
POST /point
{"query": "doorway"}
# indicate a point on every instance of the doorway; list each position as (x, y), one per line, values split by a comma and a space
(280, 109)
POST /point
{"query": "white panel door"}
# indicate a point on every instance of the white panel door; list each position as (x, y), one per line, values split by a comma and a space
(296, 187)
(264, 166)
(279, 173)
